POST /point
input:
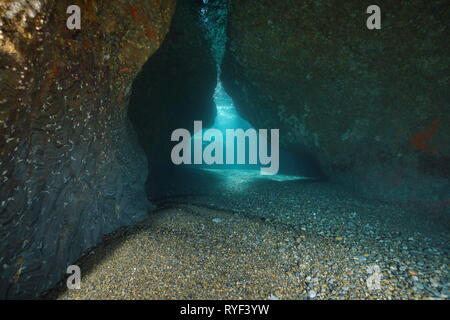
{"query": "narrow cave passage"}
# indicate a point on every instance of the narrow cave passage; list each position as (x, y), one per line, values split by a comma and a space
(196, 52)
(236, 174)
(224, 231)
(336, 185)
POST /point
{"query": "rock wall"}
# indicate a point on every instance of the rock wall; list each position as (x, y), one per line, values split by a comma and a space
(371, 105)
(71, 170)
(174, 88)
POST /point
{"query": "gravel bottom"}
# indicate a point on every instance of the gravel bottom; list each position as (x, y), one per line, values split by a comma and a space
(193, 252)
(235, 235)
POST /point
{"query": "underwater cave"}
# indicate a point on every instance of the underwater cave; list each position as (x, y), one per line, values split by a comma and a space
(321, 170)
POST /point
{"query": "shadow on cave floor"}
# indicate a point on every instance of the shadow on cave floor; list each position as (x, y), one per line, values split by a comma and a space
(232, 234)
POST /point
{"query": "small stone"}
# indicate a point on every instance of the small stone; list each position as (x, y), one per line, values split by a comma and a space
(431, 290)
(434, 283)
(360, 258)
(312, 294)
(412, 272)
(217, 220)
(299, 239)
(418, 285)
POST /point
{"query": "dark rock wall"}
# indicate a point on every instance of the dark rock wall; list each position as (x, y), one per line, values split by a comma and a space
(174, 88)
(371, 106)
(71, 169)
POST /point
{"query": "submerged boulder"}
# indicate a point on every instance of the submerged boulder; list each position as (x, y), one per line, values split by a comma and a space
(71, 169)
(371, 105)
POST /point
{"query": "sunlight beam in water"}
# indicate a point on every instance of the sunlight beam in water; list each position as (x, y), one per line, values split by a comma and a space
(236, 176)
(227, 118)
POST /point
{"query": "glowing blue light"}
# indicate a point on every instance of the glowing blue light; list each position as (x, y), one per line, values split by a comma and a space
(227, 116)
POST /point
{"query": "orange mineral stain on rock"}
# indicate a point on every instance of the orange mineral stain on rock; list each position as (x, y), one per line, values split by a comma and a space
(150, 33)
(54, 70)
(419, 140)
(143, 20)
(126, 70)
(134, 14)
(91, 11)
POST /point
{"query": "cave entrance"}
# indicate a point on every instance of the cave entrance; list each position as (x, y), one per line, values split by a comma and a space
(232, 177)
(193, 180)
(227, 118)
(162, 102)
